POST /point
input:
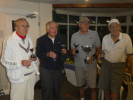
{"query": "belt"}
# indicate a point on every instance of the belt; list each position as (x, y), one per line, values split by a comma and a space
(28, 73)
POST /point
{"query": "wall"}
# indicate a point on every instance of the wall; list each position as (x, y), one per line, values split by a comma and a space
(7, 7)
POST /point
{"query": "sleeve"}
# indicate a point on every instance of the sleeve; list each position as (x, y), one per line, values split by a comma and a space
(129, 48)
(40, 53)
(72, 41)
(7, 56)
(98, 43)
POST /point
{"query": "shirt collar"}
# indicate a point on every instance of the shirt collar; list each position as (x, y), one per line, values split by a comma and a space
(120, 36)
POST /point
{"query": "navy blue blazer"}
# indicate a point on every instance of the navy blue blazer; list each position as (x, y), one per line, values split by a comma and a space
(45, 45)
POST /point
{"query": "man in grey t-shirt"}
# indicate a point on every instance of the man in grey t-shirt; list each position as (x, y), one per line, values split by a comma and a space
(85, 71)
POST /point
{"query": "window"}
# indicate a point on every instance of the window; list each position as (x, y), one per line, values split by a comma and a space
(131, 18)
(62, 31)
(103, 20)
(102, 31)
(92, 28)
(122, 19)
(73, 19)
(13, 26)
(61, 18)
(131, 33)
(124, 29)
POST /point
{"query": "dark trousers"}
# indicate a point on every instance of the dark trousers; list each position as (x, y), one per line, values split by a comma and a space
(50, 83)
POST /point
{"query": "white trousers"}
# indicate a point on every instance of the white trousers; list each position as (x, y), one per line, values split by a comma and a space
(23, 91)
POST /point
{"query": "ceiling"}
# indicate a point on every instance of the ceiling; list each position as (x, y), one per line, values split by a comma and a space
(90, 9)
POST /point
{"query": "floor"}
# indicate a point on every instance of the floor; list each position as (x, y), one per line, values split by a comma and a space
(68, 92)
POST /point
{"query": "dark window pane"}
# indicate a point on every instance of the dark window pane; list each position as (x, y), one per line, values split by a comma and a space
(92, 28)
(131, 33)
(72, 29)
(131, 18)
(102, 31)
(124, 29)
(61, 18)
(103, 20)
(54, 15)
(122, 19)
(62, 31)
(73, 19)
(13, 26)
(92, 19)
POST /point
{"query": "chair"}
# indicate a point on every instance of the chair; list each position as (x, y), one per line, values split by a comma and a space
(128, 81)
(101, 92)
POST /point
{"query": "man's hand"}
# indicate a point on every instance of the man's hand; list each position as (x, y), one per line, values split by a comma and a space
(26, 63)
(92, 59)
(73, 51)
(51, 54)
(64, 51)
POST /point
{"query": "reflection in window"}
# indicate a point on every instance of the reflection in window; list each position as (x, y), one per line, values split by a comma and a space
(102, 31)
(122, 19)
(62, 31)
(131, 33)
(92, 28)
(73, 19)
(72, 29)
(131, 18)
(61, 18)
(124, 29)
(103, 20)
(92, 19)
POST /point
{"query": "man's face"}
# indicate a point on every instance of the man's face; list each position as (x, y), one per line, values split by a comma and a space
(22, 28)
(84, 26)
(52, 30)
(114, 28)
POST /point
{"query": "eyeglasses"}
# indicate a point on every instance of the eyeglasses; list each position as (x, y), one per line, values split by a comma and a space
(114, 26)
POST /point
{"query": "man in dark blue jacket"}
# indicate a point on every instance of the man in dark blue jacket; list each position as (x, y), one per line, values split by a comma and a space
(49, 52)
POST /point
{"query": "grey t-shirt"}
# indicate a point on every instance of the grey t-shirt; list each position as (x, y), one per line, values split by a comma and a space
(91, 38)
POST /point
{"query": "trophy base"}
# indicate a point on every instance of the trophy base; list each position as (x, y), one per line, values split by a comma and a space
(77, 51)
(101, 57)
(87, 61)
(33, 56)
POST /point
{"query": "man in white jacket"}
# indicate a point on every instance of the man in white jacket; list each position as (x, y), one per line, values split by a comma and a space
(20, 66)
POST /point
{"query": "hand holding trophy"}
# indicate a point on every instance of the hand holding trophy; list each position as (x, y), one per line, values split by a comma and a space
(76, 50)
(87, 49)
(102, 54)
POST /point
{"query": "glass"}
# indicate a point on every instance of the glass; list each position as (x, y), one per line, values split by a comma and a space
(13, 25)
(62, 31)
(122, 19)
(92, 28)
(72, 29)
(92, 19)
(131, 33)
(73, 19)
(124, 29)
(132, 18)
(103, 20)
(102, 31)
(61, 18)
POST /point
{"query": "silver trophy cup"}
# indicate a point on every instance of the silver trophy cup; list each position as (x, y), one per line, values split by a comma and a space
(76, 50)
(87, 49)
(63, 47)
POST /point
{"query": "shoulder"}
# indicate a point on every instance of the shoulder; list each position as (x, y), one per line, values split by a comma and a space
(42, 38)
(75, 34)
(125, 35)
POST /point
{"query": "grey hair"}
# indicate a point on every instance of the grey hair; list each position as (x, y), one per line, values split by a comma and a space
(48, 23)
(20, 19)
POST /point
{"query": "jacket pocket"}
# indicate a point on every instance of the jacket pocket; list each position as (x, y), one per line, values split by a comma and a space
(15, 74)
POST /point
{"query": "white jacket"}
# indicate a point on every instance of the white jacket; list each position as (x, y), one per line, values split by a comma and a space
(11, 59)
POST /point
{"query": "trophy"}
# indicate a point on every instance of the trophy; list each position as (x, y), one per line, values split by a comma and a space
(76, 50)
(102, 54)
(87, 49)
(63, 47)
(32, 55)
